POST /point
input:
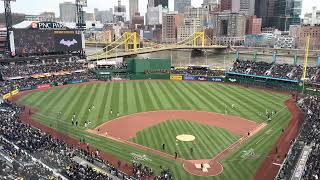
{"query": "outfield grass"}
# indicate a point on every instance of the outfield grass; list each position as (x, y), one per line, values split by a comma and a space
(132, 97)
(208, 143)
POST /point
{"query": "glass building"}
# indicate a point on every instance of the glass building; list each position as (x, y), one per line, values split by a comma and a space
(286, 13)
(181, 5)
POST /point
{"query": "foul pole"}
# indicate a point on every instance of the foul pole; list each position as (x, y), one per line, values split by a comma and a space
(306, 55)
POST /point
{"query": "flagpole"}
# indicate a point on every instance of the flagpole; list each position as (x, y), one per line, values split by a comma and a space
(305, 63)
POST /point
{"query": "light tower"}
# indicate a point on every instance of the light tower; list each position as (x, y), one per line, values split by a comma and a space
(8, 17)
(81, 24)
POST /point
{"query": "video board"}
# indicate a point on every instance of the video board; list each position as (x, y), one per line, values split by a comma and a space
(36, 41)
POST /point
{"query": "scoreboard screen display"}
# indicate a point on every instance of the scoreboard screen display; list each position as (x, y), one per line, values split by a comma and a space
(36, 41)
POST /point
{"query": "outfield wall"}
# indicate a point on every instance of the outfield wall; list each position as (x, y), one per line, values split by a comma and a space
(264, 82)
(46, 86)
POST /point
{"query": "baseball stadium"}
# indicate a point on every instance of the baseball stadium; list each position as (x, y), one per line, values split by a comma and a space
(117, 101)
(148, 119)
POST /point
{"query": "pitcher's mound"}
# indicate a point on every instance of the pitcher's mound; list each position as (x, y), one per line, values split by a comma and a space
(186, 137)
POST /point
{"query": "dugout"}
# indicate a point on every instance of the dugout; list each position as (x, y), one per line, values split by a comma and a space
(264, 82)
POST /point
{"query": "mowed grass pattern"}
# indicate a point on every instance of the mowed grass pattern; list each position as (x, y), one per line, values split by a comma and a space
(208, 143)
(139, 96)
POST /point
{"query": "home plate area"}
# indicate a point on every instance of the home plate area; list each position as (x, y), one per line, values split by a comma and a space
(203, 167)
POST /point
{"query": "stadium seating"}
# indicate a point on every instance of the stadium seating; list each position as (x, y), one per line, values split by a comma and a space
(309, 136)
(283, 71)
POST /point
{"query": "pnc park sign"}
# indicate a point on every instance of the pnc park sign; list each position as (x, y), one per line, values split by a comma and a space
(48, 26)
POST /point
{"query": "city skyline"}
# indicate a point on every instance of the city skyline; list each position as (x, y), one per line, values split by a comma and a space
(53, 6)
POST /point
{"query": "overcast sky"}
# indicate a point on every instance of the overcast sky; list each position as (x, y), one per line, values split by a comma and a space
(38, 6)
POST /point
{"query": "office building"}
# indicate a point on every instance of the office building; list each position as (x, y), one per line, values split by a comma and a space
(45, 16)
(163, 3)
(191, 25)
(226, 5)
(119, 14)
(230, 24)
(181, 5)
(201, 13)
(312, 18)
(264, 10)
(253, 25)
(133, 8)
(49, 16)
(230, 28)
(314, 33)
(211, 5)
(286, 13)
(104, 17)
(170, 24)
(154, 15)
(246, 7)
(89, 16)
(67, 12)
(137, 20)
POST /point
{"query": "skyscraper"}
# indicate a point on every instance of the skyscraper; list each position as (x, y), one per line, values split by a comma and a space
(286, 13)
(119, 13)
(243, 6)
(226, 5)
(264, 9)
(133, 8)
(239, 6)
(211, 5)
(164, 3)
(67, 12)
(170, 23)
(181, 5)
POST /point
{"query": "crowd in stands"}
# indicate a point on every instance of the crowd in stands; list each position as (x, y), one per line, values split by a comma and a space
(30, 153)
(309, 136)
(10, 85)
(33, 74)
(27, 70)
(275, 70)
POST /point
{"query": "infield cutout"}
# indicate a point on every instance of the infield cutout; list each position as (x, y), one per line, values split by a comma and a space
(185, 137)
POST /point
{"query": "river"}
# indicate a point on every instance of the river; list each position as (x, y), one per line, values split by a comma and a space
(212, 59)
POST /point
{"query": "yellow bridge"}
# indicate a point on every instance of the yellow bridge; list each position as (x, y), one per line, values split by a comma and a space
(127, 45)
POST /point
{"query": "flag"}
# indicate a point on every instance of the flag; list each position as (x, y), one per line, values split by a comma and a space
(319, 60)
(237, 55)
(274, 57)
(295, 60)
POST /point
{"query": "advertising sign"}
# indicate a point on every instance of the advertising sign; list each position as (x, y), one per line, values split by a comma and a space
(232, 80)
(44, 86)
(47, 26)
(201, 78)
(216, 79)
(26, 88)
(176, 78)
(14, 92)
(6, 96)
(75, 81)
(189, 78)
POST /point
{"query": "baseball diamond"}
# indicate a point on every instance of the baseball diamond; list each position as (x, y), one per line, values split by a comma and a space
(140, 120)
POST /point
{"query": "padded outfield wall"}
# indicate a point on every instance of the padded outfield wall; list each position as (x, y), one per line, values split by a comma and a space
(136, 66)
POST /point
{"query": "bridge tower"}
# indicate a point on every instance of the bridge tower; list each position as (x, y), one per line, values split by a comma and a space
(130, 37)
(198, 36)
